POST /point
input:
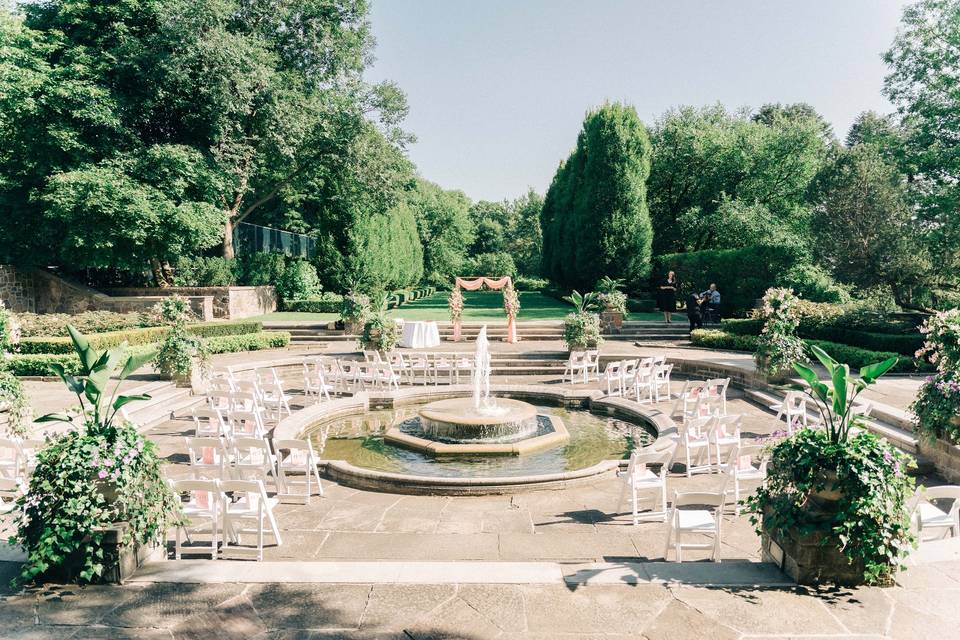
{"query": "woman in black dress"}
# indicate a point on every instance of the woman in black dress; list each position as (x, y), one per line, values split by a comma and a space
(668, 296)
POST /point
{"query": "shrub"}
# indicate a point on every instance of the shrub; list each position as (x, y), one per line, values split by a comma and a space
(530, 283)
(9, 330)
(41, 364)
(175, 359)
(206, 272)
(942, 345)
(263, 268)
(714, 339)
(494, 265)
(641, 306)
(299, 280)
(857, 357)
(778, 346)
(55, 324)
(814, 283)
(14, 401)
(937, 407)
(355, 309)
(324, 303)
(248, 342)
(380, 332)
(134, 337)
(582, 330)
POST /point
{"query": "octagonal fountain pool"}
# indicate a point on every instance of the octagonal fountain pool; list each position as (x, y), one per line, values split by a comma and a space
(591, 439)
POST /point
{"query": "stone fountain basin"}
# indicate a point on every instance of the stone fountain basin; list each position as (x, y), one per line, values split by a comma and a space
(557, 437)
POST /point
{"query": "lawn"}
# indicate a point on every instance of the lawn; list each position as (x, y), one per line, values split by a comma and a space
(479, 306)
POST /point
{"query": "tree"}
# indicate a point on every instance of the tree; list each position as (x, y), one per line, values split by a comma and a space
(445, 227)
(595, 220)
(924, 84)
(526, 237)
(863, 220)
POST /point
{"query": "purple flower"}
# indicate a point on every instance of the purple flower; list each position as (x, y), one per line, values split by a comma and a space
(102, 474)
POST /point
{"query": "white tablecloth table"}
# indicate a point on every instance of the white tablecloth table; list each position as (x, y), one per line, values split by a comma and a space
(419, 335)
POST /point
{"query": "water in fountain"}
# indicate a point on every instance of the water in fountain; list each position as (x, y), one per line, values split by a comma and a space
(483, 404)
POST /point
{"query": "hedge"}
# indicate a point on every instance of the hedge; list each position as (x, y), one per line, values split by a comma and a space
(905, 344)
(641, 306)
(854, 356)
(133, 337)
(328, 303)
(741, 275)
(248, 342)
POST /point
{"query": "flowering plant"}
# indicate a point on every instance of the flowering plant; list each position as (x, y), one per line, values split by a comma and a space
(937, 407)
(455, 303)
(180, 350)
(9, 330)
(942, 344)
(778, 346)
(14, 401)
(511, 301)
(582, 330)
(356, 308)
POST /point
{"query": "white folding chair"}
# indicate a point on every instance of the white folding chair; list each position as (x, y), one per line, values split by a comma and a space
(272, 393)
(592, 364)
(10, 459)
(614, 378)
(640, 479)
(724, 434)
(253, 459)
(463, 364)
(744, 464)
(443, 362)
(248, 503)
(209, 423)
(695, 514)
(246, 424)
(628, 372)
(297, 466)
(10, 490)
(717, 393)
(29, 447)
(221, 384)
(661, 378)
(208, 457)
(793, 409)
(576, 366)
(643, 381)
(928, 516)
(221, 401)
(694, 436)
(201, 510)
(694, 402)
(420, 365)
(372, 356)
(399, 365)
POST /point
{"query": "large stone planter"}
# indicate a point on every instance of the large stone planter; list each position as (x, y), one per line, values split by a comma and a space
(944, 455)
(611, 321)
(808, 561)
(120, 561)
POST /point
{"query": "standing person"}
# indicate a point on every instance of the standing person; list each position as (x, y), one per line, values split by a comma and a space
(693, 312)
(712, 297)
(667, 296)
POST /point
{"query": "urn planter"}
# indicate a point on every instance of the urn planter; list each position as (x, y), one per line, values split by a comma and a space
(611, 321)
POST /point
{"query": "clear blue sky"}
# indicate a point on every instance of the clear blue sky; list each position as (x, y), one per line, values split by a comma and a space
(498, 88)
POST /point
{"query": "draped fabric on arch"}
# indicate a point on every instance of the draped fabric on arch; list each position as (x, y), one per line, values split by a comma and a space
(472, 284)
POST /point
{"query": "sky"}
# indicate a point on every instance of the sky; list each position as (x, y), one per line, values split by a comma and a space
(498, 89)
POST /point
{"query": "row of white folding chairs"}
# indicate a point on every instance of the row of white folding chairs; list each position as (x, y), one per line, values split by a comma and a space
(228, 422)
(698, 398)
(422, 366)
(641, 376)
(263, 391)
(288, 463)
(795, 410)
(226, 508)
(706, 438)
(582, 364)
(18, 457)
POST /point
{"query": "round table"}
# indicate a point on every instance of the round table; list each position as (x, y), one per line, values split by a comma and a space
(419, 335)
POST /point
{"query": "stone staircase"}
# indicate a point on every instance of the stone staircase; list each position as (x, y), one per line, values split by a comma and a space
(641, 332)
(166, 401)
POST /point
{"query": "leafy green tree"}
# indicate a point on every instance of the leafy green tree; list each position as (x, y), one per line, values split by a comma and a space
(595, 219)
(924, 84)
(525, 242)
(445, 227)
(864, 223)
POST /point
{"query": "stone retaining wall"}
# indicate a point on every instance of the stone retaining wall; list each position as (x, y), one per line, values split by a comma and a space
(945, 456)
(229, 303)
(17, 290)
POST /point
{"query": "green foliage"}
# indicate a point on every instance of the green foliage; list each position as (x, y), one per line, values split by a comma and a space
(41, 364)
(493, 265)
(324, 303)
(778, 346)
(144, 336)
(511, 227)
(87, 479)
(716, 339)
(299, 280)
(582, 330)
(178, 353)
(594, 219)
(14, 402)
(814, 283)
(445, 227)
(719, 180)
(9, 330)
(871, 523)
(641, 305)
(206, 272)
(356, 308)
(247, 342)
(55, 324)
(263, 268)
(584, 302)
(942, 343)
(742, 275)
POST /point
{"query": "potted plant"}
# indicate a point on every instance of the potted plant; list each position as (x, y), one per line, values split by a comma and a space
(834, 505)
(97, 499)
(380, 332)
(778, 345)
(581, 329)
(936, 409)
(182, 357)
(353, 314)
(613, 302)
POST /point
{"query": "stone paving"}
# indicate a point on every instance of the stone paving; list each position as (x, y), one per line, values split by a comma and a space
(585, 524)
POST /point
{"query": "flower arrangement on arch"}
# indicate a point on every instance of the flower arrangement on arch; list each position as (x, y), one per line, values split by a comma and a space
(455, 304)
(511, 301)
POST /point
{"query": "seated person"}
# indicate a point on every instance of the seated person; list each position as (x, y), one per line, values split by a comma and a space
(693, 312)
(712, 297)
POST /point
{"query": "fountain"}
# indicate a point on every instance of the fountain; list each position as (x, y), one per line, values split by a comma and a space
(482, 423)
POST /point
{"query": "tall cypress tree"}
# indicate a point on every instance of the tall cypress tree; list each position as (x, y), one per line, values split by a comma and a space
(595, 219)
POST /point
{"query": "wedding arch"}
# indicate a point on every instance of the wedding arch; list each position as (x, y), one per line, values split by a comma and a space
(511, 303)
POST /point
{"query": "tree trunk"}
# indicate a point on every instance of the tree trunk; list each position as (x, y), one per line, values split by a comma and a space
(228, 251)
(158, 274)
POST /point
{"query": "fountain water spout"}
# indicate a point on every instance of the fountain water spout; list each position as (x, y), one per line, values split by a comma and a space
(481, 372)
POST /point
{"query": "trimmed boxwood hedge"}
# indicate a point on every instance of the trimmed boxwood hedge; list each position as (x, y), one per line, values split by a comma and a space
(905, 344)
(248, 342)
(854, 356)
(328, 303)
(134, 337)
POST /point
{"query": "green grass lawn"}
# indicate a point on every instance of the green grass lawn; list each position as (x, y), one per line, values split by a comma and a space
(479, 306)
